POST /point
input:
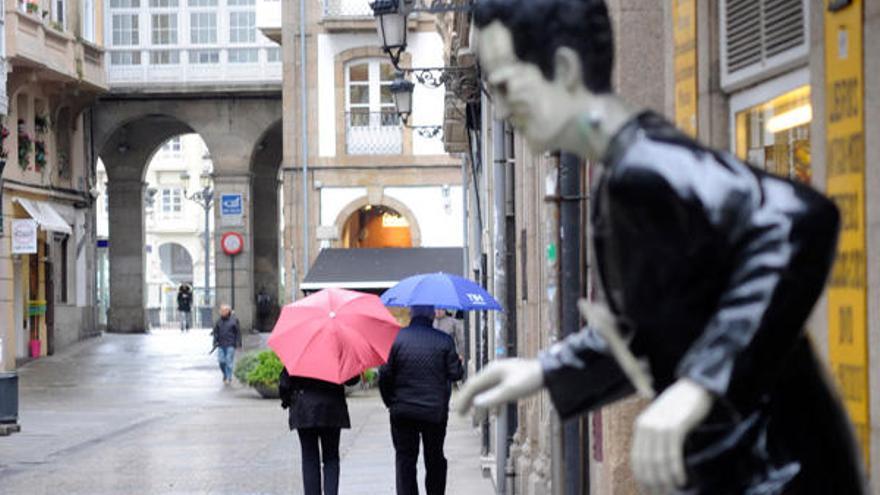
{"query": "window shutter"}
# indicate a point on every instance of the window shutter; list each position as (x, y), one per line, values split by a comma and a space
(760, 38)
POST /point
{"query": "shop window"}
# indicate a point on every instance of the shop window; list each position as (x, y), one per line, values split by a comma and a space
(775, 135)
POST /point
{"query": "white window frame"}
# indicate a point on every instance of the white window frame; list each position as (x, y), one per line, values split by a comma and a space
(173, 29)
(172, 202)
(132, 29)
(200, 35)
(88, 20)
(236, 28)
(59, 13)
(763, 93)
(374, 84)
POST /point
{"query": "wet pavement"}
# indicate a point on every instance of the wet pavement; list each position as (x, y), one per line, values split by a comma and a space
(145, 414)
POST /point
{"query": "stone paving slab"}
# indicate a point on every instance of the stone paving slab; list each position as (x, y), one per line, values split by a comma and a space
(148, 414)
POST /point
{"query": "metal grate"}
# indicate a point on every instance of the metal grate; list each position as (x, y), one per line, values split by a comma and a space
(743, 33)
(756, 31)
(784, 25)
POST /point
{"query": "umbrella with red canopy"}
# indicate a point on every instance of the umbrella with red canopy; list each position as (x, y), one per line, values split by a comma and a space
(333, 335)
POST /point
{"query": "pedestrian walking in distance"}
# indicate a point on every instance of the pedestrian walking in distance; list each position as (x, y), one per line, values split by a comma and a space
(415, 384)
(444, 321)
(318, 412)
(227, 336)
(184, 305)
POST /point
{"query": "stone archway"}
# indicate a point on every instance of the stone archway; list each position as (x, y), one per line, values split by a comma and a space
(128, 129)
(391, 203)
(268, 271)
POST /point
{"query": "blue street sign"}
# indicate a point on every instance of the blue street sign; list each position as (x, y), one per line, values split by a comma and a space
(231, 205)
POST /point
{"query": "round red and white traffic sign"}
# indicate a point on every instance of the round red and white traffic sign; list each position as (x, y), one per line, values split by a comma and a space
(232, 243)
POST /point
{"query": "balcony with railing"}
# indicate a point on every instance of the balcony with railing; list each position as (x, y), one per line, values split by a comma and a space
(37, 40)
(203, 65)
(373, 133)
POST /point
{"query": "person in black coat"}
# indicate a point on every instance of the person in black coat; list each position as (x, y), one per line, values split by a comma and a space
(415, 384)
(318, 412)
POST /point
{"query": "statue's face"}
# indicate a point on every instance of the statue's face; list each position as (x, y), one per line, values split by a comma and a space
(535, 106)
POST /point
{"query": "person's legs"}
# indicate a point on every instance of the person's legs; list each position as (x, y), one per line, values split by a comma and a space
(221, 360)
(230, 362)
(330, 456)
(311, 462)
(406, 448)
(433, 437)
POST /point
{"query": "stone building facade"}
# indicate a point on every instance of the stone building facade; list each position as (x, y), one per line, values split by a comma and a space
(354, 176)
(55, 64)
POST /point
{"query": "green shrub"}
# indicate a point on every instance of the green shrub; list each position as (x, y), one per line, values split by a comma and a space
(245, 364)
(370, 376)
(267, 370)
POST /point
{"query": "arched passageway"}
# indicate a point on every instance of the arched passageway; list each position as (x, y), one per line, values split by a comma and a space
(237, 131)
(376, 227)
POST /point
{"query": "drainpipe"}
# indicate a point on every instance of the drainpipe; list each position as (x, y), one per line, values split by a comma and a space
(570, 288)
(505, 291)
(465, 188)
(304, 132)
(550, 315)
(499, 210)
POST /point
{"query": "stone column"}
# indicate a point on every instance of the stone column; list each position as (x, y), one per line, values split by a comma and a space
(242, 278)
(127, 258)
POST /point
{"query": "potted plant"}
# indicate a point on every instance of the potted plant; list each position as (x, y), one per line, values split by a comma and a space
(32, 7)
(247, 362)
(263, 377)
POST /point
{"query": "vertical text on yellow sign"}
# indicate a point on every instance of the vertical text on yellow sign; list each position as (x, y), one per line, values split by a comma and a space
(684, 18)
(845, 162)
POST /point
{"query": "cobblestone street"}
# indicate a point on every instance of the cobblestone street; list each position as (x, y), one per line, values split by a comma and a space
(147, 414)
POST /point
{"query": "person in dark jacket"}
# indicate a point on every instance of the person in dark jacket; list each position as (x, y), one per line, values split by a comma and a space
(415, 384)
(227, 336)
(318, 412)
(184, 305)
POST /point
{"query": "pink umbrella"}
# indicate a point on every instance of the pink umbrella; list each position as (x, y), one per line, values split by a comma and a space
(333, 335)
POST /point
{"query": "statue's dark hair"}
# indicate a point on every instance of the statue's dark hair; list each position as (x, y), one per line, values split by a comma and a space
(540, 27)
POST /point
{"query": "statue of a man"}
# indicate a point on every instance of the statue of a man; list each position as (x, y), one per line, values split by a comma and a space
(710, 268)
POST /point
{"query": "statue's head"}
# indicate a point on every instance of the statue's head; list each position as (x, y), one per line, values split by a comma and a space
(541, 56)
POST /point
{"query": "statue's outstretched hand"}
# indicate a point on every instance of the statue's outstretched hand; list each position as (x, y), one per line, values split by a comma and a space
(660, 432)
(504, 380)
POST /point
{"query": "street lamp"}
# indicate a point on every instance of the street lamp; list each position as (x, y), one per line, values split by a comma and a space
(402, 92)
(205, 199)
(391, 26)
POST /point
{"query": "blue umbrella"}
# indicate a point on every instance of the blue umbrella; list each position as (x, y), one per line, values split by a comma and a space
(441, 290)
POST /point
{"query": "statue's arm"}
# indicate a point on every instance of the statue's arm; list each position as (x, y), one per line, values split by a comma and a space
(580, 375)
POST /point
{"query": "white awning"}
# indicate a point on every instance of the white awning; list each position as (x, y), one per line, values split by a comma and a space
(45, 215)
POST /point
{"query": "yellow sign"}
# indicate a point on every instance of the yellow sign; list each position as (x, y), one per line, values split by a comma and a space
(845, 161)
(684, 17)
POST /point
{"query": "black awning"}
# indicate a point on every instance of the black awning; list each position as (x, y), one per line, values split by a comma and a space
(379, 269)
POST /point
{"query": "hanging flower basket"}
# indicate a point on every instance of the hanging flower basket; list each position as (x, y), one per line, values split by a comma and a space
(4, 133)
(41, 124)
(40, 155)
(25, 145)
